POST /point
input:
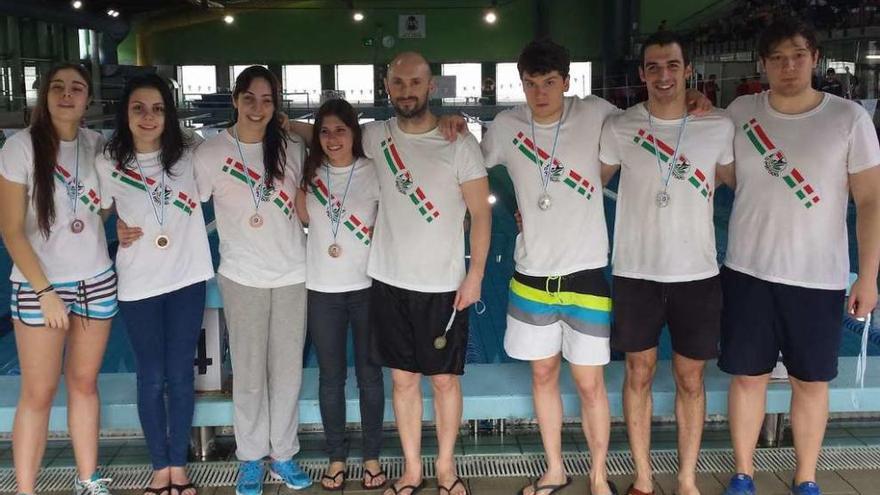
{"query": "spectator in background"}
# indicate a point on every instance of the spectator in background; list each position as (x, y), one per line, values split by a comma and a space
(710, 89)
(755, 85)
(743, 87)
(831, 83)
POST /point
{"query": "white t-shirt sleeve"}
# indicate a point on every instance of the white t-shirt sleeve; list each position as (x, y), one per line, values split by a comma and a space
(864, 150)
(609, 151)
(371, 134)
(469, 159)
(727, 157)
(204, 175)
(16, 161)
(104, 167)
(493, 152)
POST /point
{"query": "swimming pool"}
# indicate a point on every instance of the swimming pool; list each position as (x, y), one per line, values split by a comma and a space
(485, 344)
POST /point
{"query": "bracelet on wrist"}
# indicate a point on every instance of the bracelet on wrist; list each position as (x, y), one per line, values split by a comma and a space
(42, 292)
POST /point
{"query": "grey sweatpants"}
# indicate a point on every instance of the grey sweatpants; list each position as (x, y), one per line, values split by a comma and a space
(266, 338)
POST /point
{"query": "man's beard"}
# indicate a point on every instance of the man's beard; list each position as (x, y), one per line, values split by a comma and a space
(416, 111)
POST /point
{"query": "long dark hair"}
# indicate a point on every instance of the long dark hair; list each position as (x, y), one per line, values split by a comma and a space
(172, 142)
(275, 139)
(342, 110)
(46, 142)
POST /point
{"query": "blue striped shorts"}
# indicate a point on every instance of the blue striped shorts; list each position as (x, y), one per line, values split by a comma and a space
(93, 298)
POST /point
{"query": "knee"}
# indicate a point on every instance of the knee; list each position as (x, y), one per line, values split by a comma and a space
(444, 384)
(404, 384)
(808, 389)
(689, 384)
(369, 376)
(332, 376)
(640, 373)
(545, 374)
(150, 385)
(750, 384)
(81, 384)
(37, 397)
(591, 389)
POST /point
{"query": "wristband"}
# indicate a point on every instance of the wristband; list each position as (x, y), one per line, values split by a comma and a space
(49, 288)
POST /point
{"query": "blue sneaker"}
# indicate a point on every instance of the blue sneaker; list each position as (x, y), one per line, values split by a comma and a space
(291, 474)
(805, 488)
(250, 478)
(96, 485)
(740, 484)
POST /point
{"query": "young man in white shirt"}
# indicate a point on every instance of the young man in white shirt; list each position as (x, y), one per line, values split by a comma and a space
(664, 260)
(800, 153)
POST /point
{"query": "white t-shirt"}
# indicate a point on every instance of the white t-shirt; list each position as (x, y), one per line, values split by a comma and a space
(64, 256)
(788, 223)
(419, 239)
(273, 255)
(145, 270)
(356, 217)
(571, 235)
(675, 243)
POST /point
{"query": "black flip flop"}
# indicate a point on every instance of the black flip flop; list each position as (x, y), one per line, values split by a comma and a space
(553, 488)
(458, 481)
(157, 491)
(413, 489)
(182, 488)
(334, 479)
(370, 476)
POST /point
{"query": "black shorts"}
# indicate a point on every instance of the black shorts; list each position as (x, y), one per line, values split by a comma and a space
(761, 319)
(405, 325)
(691, 309)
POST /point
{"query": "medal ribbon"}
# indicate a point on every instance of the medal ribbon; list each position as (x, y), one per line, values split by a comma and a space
(73, 197)
(255, 195)
(160, 218)
(665, 176)
(334, 222)
(547, 169)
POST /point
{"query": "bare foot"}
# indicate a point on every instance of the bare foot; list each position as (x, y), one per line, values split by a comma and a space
(546, 483)
(334, 476)
(374, 477)
(179, 477)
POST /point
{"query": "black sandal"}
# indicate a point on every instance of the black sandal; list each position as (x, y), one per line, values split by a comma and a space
(157, 491)
(413, 489)
(333, 479)
(458, 481)
(182, 488)
(369, 476)
(553, 488)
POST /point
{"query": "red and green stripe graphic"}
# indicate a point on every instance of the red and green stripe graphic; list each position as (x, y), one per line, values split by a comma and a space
(417, 195)
(574, 180)
(89, 198)
(646, 141)
(282, 200)
(581, 185)
(794, 179)
(132, 178)
(320, 191)
(185, 203)
(361, 230)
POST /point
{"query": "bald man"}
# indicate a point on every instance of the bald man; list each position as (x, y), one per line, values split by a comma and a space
(421, 289)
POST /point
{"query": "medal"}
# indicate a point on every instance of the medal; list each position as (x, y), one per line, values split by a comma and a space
(162, 241)
(334, 213)
(545, 171)
(440, 342)
(545, 201)
(255, 221)
(662, 199)
(77, 226)
(335, 250)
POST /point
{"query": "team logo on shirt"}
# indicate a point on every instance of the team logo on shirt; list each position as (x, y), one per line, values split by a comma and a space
(539, 156)
(404, 182)
(161, 197)
(355, 225)
(777, 165)
(683, 168)
(130, 178)
(76, 190)
(335, 211)
(266, 193)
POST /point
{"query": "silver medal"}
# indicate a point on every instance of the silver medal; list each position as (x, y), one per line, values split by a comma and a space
(662, 199)
(545, 201)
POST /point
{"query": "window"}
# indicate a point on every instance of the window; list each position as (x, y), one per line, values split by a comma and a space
(468, 83)
(197, 80)
(356, 81)
(30, 84)
(508, 86)
(299, 79)
(84, 47)
(235, 70)
(579, 79)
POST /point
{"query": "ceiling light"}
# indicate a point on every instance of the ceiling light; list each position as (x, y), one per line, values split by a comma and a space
(112, 13)
(872, 57)
(358, 16)
(490, 16)
(77, 4)
(228, 19)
